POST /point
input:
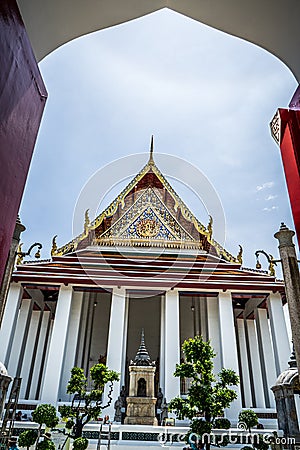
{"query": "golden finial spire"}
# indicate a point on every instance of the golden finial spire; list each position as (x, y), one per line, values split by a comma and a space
(151, 160)
(54, 245)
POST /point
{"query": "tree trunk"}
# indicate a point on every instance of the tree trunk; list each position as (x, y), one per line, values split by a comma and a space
(78, 428)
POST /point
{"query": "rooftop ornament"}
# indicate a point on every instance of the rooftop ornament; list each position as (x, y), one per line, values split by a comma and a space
(21, 255)
(272, 262)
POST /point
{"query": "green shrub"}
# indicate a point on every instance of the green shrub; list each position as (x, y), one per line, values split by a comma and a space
(45, 414)
(80, 443)
(27, 438)
(46, 444)
(248, 418)
(222, 423)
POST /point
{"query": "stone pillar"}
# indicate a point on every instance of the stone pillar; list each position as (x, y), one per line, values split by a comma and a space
(57, 346)
(245, 378)
(71, 344)
(172, 344)
(4, 286)
(292, 282)
(9, 321)
(116, 345)
(265, 350)
(280, 338)
(285, 403)
(5, 381)
(214, 331)
(229, 347)
(255, 364)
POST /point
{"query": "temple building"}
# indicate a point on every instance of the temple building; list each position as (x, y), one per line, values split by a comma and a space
(146, 262)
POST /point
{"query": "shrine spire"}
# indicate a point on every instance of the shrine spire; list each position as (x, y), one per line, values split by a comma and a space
(142, 357)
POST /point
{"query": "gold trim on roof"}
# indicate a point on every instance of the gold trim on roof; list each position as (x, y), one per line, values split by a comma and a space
(120, 200)
(146, 242)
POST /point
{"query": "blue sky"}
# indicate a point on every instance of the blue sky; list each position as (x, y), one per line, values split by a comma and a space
(207, 97)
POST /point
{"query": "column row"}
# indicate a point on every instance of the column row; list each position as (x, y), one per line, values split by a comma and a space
(264, 351)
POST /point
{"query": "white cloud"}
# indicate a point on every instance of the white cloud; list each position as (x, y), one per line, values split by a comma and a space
(272, 208)
(266, 185)
(270, 197)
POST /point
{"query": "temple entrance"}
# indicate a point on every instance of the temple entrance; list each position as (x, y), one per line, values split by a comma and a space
(144, 313)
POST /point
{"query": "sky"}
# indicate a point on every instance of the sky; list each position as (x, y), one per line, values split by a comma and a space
(207, 98)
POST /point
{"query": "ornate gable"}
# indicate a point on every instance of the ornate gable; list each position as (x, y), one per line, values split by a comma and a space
(149, 213)
(148, 222)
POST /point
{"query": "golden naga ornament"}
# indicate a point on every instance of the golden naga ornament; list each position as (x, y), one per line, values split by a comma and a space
(240, 255)
(20, 255)
(272, 266)
(147, 228)
(210, 228)
(54, 246)
(87, 221)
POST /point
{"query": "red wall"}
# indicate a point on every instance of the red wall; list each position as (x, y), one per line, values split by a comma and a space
(22, 100)
(290, 153)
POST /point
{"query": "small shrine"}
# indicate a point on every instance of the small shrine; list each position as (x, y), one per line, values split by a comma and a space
(141, 400)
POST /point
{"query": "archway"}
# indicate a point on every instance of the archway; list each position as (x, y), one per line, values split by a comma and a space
(269, 29)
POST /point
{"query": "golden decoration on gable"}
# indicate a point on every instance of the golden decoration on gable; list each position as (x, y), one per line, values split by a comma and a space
(147, 228)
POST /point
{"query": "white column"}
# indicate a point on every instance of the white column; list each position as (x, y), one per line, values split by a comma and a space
(71, 343)
(123, 366)
(172, 344)
(281, 344)
(57, 346)
(45, 356)
(18, 337)
(9, 320)
(244, 363)
(162, 343)
(229, 347)
(82, 329)
(214, 331)
(266, 350)
(39, 353)
(29, 351)
(116, 345)
(203, 317)
(255, 364)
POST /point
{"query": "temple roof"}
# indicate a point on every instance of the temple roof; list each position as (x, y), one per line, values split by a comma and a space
(147, 213)
(148, 268)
